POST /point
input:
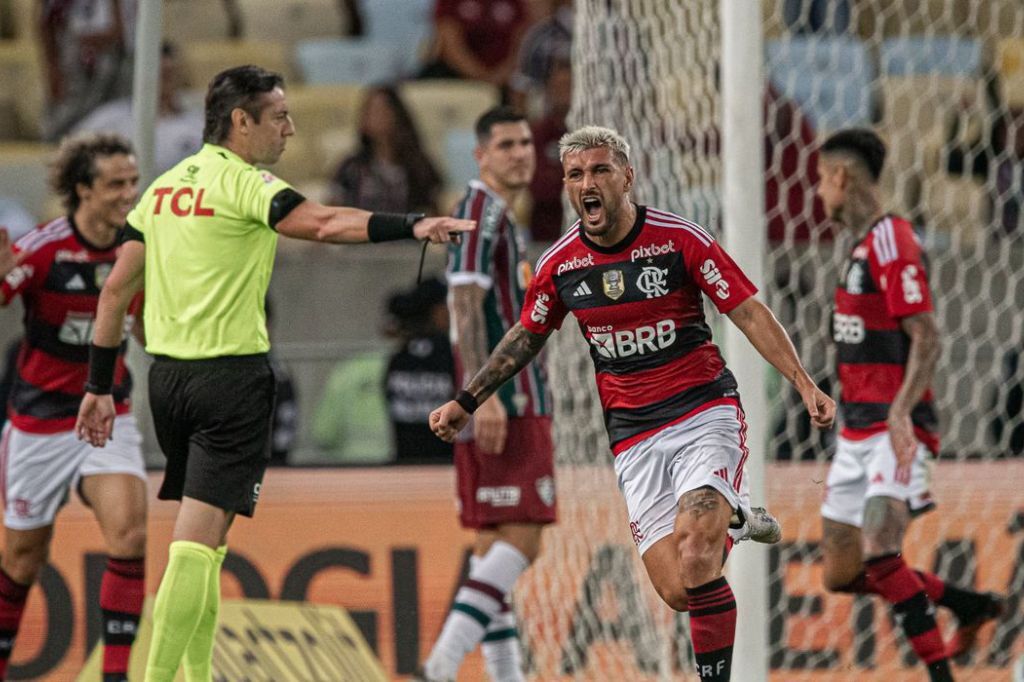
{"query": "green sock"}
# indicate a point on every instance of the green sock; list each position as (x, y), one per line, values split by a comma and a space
(199, 652)
(179, 607)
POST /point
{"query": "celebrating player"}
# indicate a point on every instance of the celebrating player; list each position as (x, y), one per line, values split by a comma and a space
(633, 276)
(888, 344)
(59, 270)
(203, 238)
(511, 449)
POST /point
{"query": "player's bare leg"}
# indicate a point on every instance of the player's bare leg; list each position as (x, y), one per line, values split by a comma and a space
(482, 612)
(24, 555)
(185, 613)
(119, 504)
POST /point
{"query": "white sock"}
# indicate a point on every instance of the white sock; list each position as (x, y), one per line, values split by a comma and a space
(477, 603)
(501, 647)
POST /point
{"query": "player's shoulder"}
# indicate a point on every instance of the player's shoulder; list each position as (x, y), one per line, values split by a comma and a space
(675, 227)
(568, 251)
(46, 238)
(481, 203)
(893, 238)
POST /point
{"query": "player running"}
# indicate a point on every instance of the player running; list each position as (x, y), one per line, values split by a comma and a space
(888, 345)
(633, 276)
(58, 270)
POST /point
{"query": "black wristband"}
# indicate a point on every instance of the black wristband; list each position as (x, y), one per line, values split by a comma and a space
(386, 227)
(102, 362)
(467, 401)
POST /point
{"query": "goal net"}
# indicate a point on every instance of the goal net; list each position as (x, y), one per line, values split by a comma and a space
(943, 82)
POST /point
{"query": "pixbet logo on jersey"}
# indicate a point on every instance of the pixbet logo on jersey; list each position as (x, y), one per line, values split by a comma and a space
(575, 263)
(712, 275)
(651, 251)
(639, 341)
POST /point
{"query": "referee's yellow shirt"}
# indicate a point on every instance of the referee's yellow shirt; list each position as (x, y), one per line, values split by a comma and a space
(209, 255)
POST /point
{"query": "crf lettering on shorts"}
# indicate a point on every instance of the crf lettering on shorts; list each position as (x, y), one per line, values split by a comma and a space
(540, 309)
(499, 496)
(182, 202)
(847, 328)
(712, 275)
(575, 263)
(634, 529)
(640, 341)
(651, 251)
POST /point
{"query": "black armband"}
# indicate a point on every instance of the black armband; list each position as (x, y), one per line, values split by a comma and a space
(386, 227)
(130, 234)
(102, 362)
(283, 203)
(466, 401)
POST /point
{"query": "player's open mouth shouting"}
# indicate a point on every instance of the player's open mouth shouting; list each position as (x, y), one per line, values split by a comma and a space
(594, 209)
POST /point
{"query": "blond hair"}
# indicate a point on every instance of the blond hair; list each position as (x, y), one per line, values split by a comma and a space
(592, 137)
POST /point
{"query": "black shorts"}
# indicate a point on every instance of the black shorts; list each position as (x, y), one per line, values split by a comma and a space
(212, 420)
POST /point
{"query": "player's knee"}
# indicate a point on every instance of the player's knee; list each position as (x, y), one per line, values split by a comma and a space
(23, 563)
(697, 557)
(675, 598)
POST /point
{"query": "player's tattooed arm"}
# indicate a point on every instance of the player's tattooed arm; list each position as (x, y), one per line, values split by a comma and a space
(468, 308)
(512, 353)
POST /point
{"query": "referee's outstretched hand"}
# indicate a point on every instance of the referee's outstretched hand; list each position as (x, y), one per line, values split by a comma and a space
(447, 420)
(95, 419)
(442, 230)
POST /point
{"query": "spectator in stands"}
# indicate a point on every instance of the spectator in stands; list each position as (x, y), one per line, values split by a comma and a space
(285, 426)
(351, 421)
(178, 127)
(477, 39)
(15, 219)
(389, 171)
(546, 188)
(87, 49)
(817, 16)
(1008, 199)
(420, 373)
(548, 41)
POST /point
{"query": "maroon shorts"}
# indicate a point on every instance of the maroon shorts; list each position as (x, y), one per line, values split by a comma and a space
(516, 486)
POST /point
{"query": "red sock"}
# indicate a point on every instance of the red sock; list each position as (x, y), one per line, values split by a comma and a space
(121, 594)
(889, 577)
(713, 628)
(12, 605)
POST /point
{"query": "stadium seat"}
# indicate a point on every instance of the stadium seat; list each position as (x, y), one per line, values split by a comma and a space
(441, 105)
(407, 24)
(919, 55)
(830, 77)
(1010, 67)
(188, 21)
(958, 206)
(21, 98)
(204, 60)
(347, 60)
(326, 116)
(915, 17)
(458, 162)
(289, 21)
(24, 169)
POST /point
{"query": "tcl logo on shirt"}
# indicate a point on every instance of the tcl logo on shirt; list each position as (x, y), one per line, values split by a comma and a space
(712, 275)
(639, 341)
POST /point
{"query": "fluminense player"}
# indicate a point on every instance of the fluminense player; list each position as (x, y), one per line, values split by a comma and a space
(633, 276)
(59, 270)
(888, 345)
(505, 470)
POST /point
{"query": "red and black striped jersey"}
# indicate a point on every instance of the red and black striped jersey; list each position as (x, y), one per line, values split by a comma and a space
(493, 256)
(640, 308)
(59, 280)
(884, 280)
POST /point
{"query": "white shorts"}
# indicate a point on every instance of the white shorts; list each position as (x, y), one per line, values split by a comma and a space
(707, 449)
(38, 471)
(867, 468)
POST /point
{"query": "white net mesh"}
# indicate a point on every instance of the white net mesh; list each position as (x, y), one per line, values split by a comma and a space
(943, 82)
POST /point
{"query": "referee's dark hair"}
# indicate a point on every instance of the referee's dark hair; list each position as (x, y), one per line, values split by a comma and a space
(863, 144)
(239, 87)
(75, 163)
(492, 117)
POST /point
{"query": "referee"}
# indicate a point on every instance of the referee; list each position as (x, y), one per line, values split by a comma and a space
(201, 240)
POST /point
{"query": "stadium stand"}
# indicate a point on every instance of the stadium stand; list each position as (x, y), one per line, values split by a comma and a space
(916, 55)
(347, 61)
